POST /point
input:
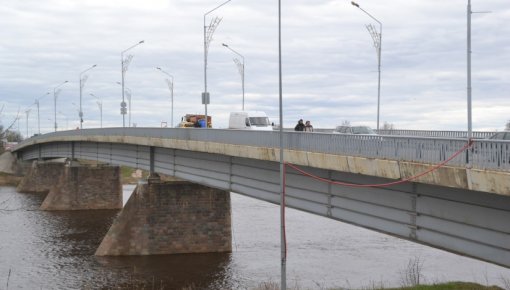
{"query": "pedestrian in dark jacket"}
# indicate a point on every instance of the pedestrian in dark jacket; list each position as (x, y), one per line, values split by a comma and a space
(300, 126)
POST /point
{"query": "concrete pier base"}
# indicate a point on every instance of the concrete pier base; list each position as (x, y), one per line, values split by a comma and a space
(171, 218)
(85, 187)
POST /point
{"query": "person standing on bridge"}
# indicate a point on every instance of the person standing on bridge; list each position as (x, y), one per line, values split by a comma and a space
(300, 126)
(308, 127)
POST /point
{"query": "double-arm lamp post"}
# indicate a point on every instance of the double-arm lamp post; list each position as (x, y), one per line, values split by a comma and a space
(83, 79)
(56, 91)
(377, 37)
(170, 83)
(27, 112)
(240, 67)
(208, 33)
(124, 67)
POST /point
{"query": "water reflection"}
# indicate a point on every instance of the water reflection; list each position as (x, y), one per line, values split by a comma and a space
(204, 271)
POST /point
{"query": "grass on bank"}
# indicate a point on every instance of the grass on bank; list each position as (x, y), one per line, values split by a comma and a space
(450, 286)
(439, 286)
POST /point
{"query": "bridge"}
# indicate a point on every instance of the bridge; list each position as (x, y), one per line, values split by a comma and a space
(444, 192)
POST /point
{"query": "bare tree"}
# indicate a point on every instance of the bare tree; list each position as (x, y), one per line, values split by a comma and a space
(6, 132)
(413, 273)
(346, 123)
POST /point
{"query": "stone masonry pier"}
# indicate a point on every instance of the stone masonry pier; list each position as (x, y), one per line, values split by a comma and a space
(71, 186)
(40, 177)
(171, 218)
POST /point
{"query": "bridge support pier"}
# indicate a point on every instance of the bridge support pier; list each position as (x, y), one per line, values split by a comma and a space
(171, 218)
(71, 186)
(40, 177)
(81, 187)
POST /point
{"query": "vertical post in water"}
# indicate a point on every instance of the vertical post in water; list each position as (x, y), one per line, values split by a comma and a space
(469, 69)
(283, 245)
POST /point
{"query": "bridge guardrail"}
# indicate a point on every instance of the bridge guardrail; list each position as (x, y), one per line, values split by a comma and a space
(484, 154)
(433, 133)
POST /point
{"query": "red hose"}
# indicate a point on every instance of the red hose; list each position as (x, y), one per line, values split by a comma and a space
(469, 144)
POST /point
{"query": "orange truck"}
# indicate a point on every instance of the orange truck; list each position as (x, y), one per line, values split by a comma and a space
(195, 121)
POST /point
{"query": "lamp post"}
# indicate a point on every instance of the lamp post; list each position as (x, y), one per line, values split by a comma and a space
(38, 115)
(124, 67)
(27, 112)
(55, 94)
(171, 87)
(208, 33)
(240, 67)
(128, 94)
(100, 105)
(82, 84)
(377, 38)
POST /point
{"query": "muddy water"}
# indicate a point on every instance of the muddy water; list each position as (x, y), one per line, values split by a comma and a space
(54, 250)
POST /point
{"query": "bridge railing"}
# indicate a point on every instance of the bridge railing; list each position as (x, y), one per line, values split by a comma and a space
(434, 133)
(483, 154)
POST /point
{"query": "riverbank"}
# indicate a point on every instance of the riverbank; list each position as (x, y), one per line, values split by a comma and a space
(9, 179)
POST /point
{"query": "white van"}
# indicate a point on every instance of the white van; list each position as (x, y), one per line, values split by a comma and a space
(249, 120)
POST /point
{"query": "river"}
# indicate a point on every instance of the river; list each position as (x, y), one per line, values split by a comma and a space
(55, 250)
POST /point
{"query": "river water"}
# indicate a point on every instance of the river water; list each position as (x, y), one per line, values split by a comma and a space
(55, 250)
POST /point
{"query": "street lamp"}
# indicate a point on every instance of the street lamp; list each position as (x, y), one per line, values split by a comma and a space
(129, 94)
(82, 84)
(55, 94)
(38, 116)
(171, 87)
(240, 67)
(100, 105)
(208, 33)
(124, 67)
(377, 38)
(27, 112)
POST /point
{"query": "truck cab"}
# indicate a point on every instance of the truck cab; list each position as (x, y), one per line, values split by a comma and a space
(249, 120)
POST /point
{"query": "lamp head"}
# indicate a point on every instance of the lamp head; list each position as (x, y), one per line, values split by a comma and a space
(142, 41)
(94, 65)
(354, 4)
(158, 68)
(224, 45)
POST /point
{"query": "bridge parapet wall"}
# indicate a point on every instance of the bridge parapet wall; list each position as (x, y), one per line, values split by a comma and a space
(171, 218)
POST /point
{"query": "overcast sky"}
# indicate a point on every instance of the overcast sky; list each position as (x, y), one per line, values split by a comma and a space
(329, 61)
